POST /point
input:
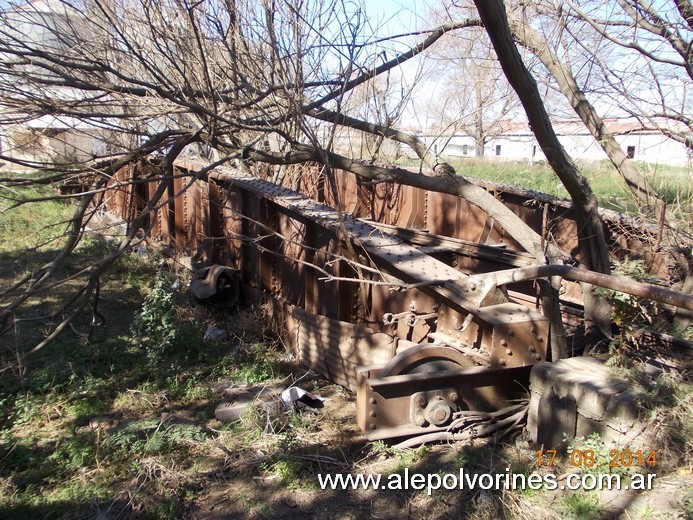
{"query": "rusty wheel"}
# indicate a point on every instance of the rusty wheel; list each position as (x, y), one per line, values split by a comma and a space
(425, 358)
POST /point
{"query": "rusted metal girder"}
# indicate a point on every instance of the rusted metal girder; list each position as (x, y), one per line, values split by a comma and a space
(401, 405)
(385, 250)
(503, 335)
(447, 343)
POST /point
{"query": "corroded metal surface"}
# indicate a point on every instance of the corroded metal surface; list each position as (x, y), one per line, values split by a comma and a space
(416, 300)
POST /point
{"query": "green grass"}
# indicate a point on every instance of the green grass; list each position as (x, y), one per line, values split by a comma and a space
(80, 421)
(582, 506)
(673, 183)
(95, 409)
(34, 226)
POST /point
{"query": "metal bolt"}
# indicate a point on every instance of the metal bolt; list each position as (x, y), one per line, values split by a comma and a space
(503, 343)
(439, 414)
(372, 400)
(540, 339)
(419, 420)
(537, 357)
(532, 348)
(371, 413)
(371, 426)
(420, 401)
(533, 330)
(452, 396)
(472, 286)
(509, 352)
(502, 362)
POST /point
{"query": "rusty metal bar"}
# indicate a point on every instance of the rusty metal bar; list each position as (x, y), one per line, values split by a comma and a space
(388, 251)
(424, 239)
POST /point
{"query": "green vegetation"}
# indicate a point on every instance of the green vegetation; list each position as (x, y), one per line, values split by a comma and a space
(32, 226)
(111, 418)
(116, 421)
(673, 183)
(582, 506)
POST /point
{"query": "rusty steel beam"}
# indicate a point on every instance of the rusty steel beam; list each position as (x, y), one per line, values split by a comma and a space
(404, 261)
(385, 405)
(431, 242)
(461, 344)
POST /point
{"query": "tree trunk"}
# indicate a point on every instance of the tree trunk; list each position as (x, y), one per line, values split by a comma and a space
(479, 137)
(594, 253)
(636, 182)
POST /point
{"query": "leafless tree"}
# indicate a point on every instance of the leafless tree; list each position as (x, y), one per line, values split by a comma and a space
(593, 249)
(476, 96)
(654, 46)
(632, 55)
(561, 49)
(243, 81)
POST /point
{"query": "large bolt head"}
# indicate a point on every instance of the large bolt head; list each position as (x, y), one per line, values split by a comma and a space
(438, 413)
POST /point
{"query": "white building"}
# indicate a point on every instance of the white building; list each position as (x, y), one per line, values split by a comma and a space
(516, 142)
(29, 134)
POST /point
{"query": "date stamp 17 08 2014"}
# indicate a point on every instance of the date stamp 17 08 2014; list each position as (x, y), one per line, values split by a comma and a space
(588, 458)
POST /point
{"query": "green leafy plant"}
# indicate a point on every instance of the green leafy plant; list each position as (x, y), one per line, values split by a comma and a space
(155, 325)
(630, 313)
(582, 506)
(151, 436)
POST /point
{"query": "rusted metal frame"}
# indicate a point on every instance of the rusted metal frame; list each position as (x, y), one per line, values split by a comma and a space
(313, 303)
(250, 256)
(383, 246)
(181, 223)
(314, 240)
(277, 237)
(215, 238)
(270, 270)
(568, 272)
(385, 404)
(197, 213)
(397, 384)
(477, 355)
(422, 353)
(333, 347)
(511, 334)
(232, 225)
(347, 291)
(388, 251)
(293, 236)
(165, 215)
(423, 239)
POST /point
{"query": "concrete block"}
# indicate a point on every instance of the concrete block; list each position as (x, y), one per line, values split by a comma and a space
(239, 399)
(602, 403)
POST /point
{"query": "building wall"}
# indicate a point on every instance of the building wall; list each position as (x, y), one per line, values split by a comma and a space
(647, 147)
(48, 146)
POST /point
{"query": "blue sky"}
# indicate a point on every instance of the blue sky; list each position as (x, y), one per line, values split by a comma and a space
(398, 15)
